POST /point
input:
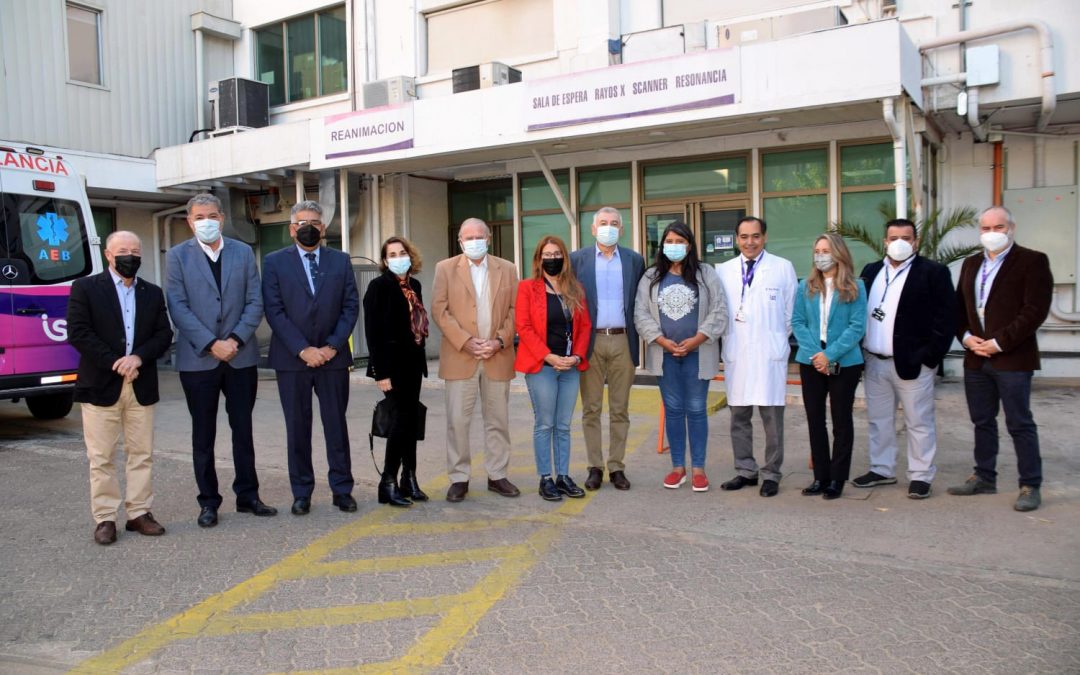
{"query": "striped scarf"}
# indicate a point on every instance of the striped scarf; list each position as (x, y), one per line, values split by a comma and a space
(418, 318)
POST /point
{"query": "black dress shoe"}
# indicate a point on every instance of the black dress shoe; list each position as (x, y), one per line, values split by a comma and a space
(548, 490)
(595, 479)
(410, 488)
(256, 507)
(833, 490)
(389, 492)
(345, 502)
(207, 517)
(814, 488)
(301, 506)
(769, 488)
(457, 491)
(738, 483)
(503, 487)
(565, 485)
(619, 480)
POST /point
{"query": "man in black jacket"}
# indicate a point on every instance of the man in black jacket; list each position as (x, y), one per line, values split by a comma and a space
(909, 329)
(117, 322)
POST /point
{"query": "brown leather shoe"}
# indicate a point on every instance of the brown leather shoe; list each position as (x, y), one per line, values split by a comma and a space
(503, 487)
(145, 524)
(457, 492)
(596, 477)
(619, 480)
(105, 532)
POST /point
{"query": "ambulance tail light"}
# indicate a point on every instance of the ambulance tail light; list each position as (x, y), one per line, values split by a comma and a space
(44, 186)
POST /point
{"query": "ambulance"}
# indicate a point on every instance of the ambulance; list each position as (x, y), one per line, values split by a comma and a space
(47, 241)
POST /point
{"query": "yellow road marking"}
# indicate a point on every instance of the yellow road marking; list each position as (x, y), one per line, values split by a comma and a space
(461, 612)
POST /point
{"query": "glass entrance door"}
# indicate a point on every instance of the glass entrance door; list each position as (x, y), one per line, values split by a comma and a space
(713, 225)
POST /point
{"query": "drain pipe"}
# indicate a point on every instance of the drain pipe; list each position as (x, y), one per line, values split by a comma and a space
(896, 129)
(157, 233)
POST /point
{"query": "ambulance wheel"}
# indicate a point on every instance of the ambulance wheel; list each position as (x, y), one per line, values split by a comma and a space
(51, 406)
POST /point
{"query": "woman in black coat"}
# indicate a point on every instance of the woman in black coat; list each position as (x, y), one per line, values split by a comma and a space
(396, 326)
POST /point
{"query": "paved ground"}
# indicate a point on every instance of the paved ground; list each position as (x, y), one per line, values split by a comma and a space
(652, 580)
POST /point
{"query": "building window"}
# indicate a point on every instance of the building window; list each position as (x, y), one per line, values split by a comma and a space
(867, 192)
(511, 29)
(84, 44)
(304, 57)
(722, 176)
(795, 196)
(541, 214)
(603, 187)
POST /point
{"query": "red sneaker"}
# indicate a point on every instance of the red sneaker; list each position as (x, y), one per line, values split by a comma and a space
(674, 479)
(700, 483)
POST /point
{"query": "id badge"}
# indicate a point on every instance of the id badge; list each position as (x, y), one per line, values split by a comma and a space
(878, 314)
(740, 316)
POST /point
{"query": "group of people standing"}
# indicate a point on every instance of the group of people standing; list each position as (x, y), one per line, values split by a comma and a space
(578, 322)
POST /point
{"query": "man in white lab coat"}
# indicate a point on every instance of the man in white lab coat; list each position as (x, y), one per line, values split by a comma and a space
(760, 290)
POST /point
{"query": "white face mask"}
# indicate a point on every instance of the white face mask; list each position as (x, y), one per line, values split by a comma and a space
(824, 261)
(899, 250)
(208, 231)
(994, 241)
(607, 235)
(475, 248)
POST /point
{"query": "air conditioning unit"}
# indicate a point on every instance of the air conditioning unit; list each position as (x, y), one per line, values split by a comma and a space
(485, 75)
(239, 104)
(390, 91)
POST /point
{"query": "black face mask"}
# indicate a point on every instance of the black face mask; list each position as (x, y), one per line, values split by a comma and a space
(127, 265)
(552, 266)
(308, 235)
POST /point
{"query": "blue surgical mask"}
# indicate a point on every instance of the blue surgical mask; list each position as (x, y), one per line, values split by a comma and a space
(399, 265)
(607, 235)
(675, 252)
(208, 231)
(475, 248)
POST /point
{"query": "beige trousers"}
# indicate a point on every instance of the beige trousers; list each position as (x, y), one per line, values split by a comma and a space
(102, 426)
(461, 397)
(610, 363)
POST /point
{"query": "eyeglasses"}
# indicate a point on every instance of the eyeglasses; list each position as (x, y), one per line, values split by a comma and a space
(551, 256)
(301, 223)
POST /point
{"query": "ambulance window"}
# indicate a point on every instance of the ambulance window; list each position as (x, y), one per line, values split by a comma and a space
(49, 235)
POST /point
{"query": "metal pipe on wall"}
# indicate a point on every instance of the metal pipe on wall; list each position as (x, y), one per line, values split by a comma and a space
(896, 130)
(200, 81)
(999, 171)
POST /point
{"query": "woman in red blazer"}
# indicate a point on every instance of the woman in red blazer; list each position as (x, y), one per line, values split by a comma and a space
(553, 329)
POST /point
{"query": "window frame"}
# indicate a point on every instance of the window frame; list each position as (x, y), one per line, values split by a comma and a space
(99, 11)
(318, 68)
(627, 206)
(526, 256)
(694, 159)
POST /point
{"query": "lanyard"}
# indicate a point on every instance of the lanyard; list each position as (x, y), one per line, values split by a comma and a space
(567, 316)
(985, 274)
(748, 279)
(888, 282)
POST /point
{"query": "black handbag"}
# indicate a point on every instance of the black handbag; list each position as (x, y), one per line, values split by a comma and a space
(383, 418)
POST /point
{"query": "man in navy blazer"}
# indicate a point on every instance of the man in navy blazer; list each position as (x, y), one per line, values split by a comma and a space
(909, 329)
(311, 304)
(610, 275)
(212, 286)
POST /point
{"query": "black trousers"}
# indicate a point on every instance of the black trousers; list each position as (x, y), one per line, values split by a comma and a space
(202, 389)
(332, 388)
(840, 390)
(401, 446)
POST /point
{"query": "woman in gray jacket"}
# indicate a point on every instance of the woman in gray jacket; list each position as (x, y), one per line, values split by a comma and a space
(680, 312)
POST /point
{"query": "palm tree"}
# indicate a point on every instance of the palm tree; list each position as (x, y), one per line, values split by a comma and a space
(933, 231)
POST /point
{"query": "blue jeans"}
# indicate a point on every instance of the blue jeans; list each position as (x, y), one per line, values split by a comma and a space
(989, 389)
(684, 409)
(554, 394)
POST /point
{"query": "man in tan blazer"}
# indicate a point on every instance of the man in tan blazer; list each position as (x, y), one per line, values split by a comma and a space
(474, 309)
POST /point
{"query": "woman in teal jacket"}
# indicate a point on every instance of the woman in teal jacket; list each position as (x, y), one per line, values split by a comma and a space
(829, 321)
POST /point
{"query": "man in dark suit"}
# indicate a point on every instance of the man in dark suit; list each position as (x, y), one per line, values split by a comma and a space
(909, 329)
(610, 275)
(215, 302)
(118, 324)
(1004, 296)
(311, 304)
